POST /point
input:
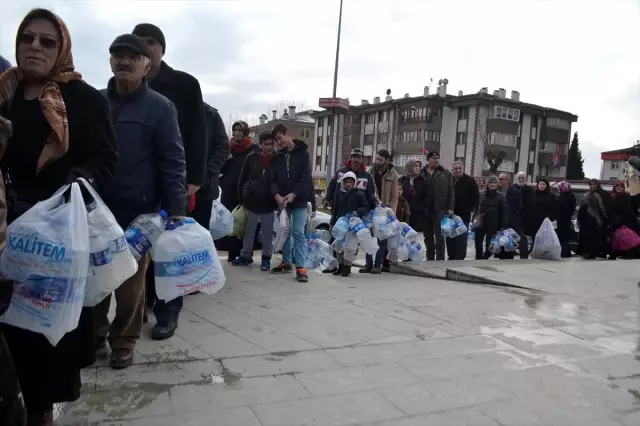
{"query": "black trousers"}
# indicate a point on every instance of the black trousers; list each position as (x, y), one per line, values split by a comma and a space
(482, 252)
(457, 247)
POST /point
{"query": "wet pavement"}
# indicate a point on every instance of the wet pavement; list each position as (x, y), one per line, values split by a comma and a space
(387, 350)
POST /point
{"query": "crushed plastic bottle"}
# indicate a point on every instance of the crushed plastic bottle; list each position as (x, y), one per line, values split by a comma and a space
(144, 232)
(340, 229)
(416, 252)
(358, 228)
(407, 232)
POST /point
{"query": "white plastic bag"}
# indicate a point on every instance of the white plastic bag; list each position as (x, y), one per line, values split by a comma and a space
(185, 261)
(282, 228)
(110, 263)
(47, 255)
(221, 223)
(546, 244)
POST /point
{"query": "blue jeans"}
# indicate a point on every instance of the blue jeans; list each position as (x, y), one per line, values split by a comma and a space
(167, 311)
(295, 244)
(378, 261)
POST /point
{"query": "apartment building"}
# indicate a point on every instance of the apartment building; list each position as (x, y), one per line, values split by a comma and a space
(301, 125)
(614, 163)
(461, 127)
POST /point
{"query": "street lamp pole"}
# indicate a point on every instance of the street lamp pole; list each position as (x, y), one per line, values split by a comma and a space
(333, 153)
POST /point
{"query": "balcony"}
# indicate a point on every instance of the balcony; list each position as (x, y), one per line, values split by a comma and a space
(551, 159)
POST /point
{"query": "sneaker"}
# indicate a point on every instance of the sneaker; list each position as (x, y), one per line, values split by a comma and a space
(266, 264)
(282, 268)
(301, 275)
(366, 270)
(241, 261)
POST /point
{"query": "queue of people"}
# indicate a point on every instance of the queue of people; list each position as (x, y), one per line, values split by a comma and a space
(146, 142)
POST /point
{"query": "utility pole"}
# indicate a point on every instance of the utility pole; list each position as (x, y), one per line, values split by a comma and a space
(333, 151)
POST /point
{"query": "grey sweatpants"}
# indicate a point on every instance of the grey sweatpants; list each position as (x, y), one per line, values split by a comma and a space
(266, 224)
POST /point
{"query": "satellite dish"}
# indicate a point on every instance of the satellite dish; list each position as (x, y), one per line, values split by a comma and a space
(440, 82)
(445, 81)
(388, 92)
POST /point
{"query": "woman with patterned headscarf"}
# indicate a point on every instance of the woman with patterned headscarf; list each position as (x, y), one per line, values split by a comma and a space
(566, 208)
(240, 146)
(61, 132)
(594, 218)
(415, 191)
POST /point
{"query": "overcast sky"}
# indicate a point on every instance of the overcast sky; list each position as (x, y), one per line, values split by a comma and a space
(581, 56)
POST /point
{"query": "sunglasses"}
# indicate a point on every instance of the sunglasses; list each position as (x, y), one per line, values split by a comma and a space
(45, 42)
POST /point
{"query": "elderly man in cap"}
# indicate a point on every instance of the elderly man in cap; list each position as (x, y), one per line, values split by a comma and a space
(441, 198)
(151, 176)
(184, 91)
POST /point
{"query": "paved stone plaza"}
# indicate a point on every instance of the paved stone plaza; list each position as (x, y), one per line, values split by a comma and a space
(389, 350)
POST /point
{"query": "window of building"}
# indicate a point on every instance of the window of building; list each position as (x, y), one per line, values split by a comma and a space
(368, 160)
(319, 141)
(558, 123)
(306, 133)
(534, 121)
(532, 145)
(318, 160)
(383, 115)
(320, 121)
(371, 118)
(530, 169)
(505, 113)
(302, 133)
(433, 136)
(503, 139)
(463, 113)
(615, 165)
(461, 138)
(459, 159)
(543, 145)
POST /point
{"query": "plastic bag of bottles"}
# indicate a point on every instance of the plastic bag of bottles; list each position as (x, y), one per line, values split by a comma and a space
(446, 227)
(221, 223)
(111, 262)
(185, 261)
(319, 255)
(471, 236)
(384, 222)
(459, 228)
(320, 234)
(47, 257)
(547, 245)
(416, 252)
(368, 243)
(494, 245)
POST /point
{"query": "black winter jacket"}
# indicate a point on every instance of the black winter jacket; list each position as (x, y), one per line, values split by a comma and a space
(514, 202)
(566, 208)
(230, 175)
(622, 213)
(291, 173)
(184, 91)
(151, 171)
(217, 153)
(526, 193)
(254, 189)
(417, 199)
(495, 212)
(543, 206)
(467, 196)
(353, 200)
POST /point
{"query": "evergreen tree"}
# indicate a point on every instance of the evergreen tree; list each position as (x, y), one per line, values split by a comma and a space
(575, 163)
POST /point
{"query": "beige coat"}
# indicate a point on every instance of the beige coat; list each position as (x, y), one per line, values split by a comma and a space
(388, 194)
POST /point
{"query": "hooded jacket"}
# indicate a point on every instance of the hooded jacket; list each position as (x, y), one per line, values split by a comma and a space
(347, 201)
(291, 173)
(364, 181)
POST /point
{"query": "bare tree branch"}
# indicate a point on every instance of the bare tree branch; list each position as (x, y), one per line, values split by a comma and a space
(493, 154)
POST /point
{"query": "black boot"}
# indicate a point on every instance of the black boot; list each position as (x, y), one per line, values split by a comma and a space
(366, 270)
(337, 271)
(346, 271)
